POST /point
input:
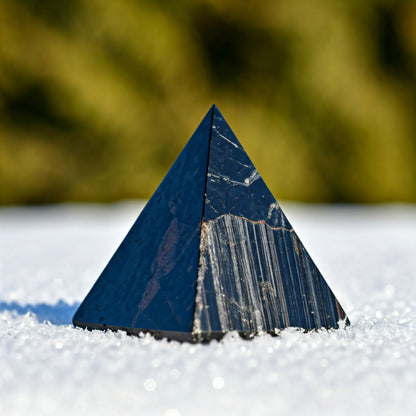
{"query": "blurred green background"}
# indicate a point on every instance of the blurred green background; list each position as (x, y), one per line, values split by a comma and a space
(97, 98)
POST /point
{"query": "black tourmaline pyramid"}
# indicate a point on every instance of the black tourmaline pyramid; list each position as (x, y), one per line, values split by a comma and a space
(211, 252)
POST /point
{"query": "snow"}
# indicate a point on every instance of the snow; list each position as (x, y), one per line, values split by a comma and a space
(51, 256)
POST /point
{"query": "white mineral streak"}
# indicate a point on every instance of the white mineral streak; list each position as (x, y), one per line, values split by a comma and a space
(253, 177)
(214, 177)
(226, 139)
(200, 299)
(272, 207)
(233, 252)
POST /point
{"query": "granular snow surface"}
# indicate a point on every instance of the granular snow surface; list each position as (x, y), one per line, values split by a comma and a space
(51, 256)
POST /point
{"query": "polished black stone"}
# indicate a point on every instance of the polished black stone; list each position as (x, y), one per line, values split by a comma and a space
(211, 252)
(150, 281)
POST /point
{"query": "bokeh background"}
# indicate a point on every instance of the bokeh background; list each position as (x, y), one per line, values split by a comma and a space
(97, 98)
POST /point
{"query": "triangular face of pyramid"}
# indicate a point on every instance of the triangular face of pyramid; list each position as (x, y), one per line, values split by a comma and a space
(255, 274)
(211, 252)
(150, 282)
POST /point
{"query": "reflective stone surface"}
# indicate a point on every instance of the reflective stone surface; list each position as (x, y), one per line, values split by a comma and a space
(211, 252)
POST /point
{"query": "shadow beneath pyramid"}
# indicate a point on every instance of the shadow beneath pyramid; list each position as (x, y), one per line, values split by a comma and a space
(59, 314)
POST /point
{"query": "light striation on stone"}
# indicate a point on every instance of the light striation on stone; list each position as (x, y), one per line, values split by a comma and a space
(212, 252)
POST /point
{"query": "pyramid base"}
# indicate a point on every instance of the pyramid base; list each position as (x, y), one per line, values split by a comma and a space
(190, 337)
(168, 335)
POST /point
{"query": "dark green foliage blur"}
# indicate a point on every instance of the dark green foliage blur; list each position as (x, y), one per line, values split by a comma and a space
(97, 98)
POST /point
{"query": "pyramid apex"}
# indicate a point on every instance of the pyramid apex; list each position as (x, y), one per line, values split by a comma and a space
(215, 110)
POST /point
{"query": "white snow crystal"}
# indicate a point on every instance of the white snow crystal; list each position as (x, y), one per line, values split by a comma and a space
(50, 257)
